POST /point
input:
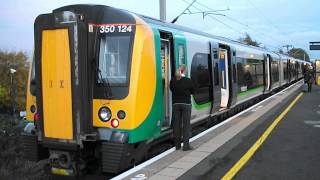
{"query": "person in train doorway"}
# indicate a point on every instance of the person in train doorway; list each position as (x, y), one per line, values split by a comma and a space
(182, 88)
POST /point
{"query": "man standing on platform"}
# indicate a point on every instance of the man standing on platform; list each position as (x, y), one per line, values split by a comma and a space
(182, 88)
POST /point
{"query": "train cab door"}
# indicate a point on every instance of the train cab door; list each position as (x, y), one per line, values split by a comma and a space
(166, 64)
(60, 79)
(224, 66)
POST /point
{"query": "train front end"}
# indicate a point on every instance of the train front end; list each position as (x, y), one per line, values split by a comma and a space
(96, 82)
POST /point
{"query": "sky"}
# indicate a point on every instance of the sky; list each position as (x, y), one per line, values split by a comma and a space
(274, 23)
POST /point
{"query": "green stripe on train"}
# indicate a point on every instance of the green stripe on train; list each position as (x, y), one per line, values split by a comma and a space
(150, 127)
(251, 91)
(200, 106)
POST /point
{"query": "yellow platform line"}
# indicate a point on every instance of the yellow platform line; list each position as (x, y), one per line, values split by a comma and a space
(244, 159)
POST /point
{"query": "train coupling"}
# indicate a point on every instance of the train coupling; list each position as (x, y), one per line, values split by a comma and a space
(65, 164)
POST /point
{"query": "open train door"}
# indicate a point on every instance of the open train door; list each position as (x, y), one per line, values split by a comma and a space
(267, 73)
(167, 71)
(228, 76)
(215, 78)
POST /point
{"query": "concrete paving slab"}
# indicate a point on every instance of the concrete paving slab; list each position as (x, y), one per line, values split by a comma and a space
(177, 163)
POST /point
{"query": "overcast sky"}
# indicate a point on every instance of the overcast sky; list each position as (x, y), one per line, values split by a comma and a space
(272, 22)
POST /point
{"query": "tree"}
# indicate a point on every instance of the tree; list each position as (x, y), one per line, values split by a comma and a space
(280, 51)
(249, 41)
(299, 54)
(17, 61)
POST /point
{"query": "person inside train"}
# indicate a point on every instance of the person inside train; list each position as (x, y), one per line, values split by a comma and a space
(182, 88)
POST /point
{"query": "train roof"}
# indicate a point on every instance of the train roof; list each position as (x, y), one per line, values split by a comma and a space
(185, 29)
(190, 30)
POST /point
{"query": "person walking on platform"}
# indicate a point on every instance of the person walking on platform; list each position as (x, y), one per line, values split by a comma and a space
(308, 78)
(182, 88)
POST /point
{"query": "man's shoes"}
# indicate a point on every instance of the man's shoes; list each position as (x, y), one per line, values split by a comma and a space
(187, 148)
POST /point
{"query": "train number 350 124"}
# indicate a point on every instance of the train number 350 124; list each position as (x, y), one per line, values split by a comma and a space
(116, 29)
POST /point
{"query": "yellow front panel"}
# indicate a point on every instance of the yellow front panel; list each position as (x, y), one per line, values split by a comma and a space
(142, 88)
(56, 84)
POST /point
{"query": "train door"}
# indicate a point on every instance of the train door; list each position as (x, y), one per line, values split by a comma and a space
(215, 77)
(267, 72)
(59, 65)
(289, 70)
(224, 66)
(166, 77)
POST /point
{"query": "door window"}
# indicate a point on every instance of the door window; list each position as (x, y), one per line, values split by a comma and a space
(181, 54)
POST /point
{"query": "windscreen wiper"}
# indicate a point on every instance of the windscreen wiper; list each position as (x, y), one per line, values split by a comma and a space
(105, 82)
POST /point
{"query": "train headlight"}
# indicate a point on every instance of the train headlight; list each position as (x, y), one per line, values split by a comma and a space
(121, 114)
(105, 114)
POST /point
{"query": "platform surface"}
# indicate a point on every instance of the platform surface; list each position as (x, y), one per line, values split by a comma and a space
(292, 150)
(216, 152)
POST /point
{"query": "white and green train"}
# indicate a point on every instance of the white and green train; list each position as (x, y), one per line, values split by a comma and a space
(99, 95)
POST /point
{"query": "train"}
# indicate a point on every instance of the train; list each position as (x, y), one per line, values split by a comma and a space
(98, 96)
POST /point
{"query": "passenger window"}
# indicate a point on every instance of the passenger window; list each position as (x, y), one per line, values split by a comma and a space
(250, 74)
(200, 77)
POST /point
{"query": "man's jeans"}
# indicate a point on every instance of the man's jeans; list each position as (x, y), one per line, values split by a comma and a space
(181, 120)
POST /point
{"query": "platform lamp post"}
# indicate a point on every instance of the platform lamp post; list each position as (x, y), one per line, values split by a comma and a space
(12, 91)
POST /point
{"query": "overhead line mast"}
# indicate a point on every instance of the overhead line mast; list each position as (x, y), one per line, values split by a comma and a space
(163, 11)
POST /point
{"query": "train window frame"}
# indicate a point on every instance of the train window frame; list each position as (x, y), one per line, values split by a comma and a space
(112, 82)
(181, 50)
(201, 94)
(275, 73)
(252, 73)
(117, 91)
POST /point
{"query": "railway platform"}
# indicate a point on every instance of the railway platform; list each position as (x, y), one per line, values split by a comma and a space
(277, 138)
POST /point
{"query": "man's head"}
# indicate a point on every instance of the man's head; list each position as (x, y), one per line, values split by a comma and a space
(183, 68)
(178, 74)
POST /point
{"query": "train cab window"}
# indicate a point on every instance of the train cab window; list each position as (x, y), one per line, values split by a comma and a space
(33, 80)
(181, 54)
(114, 60)
(200, 77)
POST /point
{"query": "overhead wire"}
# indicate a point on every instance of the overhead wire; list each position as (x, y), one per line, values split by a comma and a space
(259, 12)
(216, 19)
(245, 25)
